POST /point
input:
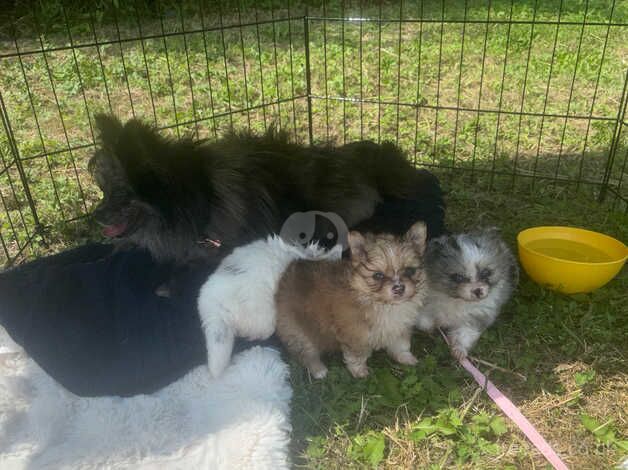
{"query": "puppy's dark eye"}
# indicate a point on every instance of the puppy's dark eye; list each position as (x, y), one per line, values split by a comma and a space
(378, 276)
(485, 274)
(458, 278)
(409, 272)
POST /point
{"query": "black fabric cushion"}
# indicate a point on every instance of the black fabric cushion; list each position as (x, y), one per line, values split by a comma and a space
(90, 318)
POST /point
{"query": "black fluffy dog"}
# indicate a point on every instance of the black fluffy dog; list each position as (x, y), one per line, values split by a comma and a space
(92, 319)
(177, 198)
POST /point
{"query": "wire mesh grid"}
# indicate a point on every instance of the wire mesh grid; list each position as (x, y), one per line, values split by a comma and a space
(517, 96)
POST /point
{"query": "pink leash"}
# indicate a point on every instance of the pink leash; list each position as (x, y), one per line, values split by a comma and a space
(514, 414)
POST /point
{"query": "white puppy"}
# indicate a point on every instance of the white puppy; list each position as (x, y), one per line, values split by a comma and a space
(238, 299)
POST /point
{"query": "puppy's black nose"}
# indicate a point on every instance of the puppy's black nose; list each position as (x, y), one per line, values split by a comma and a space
(478, 292)
(398, 289)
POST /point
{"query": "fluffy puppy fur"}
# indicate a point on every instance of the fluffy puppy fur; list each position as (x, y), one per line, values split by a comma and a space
(175, 197)
(238, 299)
(470, 276)
(366, 303)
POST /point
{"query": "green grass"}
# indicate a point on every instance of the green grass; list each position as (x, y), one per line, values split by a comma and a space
(571, 349)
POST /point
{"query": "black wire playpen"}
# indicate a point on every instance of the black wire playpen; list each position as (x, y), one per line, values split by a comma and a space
(514, 96)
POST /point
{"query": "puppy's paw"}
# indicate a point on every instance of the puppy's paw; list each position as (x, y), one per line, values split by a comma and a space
(459, 353)
(219, 339)
(218, 359)
(216, 369)
(359, 372)
(319, 372)
(406, 358)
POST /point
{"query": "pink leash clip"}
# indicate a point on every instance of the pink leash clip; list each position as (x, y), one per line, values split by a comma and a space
(513, 413)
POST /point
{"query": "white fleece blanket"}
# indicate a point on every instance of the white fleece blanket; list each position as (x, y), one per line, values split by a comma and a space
(240, 421)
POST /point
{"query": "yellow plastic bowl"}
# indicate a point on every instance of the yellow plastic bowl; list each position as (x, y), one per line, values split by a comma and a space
(570, 260)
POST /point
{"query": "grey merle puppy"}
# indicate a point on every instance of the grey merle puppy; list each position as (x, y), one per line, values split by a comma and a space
(470, 277)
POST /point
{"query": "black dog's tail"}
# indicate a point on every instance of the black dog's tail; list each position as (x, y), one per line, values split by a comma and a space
(407, 194)
(396, 214)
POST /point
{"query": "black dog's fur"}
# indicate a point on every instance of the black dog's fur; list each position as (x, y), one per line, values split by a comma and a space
(174, 196)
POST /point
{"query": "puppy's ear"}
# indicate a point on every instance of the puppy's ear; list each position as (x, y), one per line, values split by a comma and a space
(490, 232)
(109, 129)
(356, 245)
(417, 236)
(436, 245)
